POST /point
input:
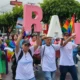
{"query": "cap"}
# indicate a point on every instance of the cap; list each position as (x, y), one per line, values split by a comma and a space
(26, 42)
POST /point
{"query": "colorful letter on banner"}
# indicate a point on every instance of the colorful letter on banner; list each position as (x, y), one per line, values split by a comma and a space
(28, 21)
(77, 31)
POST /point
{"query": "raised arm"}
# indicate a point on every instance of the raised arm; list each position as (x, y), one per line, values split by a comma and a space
(66, 41)
(38, 42)
(18, 41)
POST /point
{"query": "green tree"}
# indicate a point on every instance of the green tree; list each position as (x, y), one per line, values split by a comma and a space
(9, 19)
(17, 12)
(63, 8)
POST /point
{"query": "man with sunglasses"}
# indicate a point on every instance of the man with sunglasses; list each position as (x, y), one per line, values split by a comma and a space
(24, 69)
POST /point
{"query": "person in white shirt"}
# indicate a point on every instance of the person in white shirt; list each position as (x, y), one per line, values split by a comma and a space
(48, 62)
(66, 59)
(24, 69)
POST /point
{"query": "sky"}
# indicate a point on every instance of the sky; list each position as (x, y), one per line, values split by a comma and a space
(5, 4)
(78, 0)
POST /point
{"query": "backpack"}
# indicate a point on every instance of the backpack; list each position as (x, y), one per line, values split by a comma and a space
(15, 62)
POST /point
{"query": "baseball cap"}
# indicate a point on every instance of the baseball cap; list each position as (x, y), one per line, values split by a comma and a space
(26, 42)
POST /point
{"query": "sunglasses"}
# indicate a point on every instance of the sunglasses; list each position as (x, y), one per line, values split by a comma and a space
(66, 35)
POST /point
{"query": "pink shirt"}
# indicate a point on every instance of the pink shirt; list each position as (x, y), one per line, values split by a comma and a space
(37, 51)
(32, 43)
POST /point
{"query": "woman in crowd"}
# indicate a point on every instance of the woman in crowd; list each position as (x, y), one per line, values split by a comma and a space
(12, 42)
(2, 60)
(36, 56)
(33, 39)
(24, 69)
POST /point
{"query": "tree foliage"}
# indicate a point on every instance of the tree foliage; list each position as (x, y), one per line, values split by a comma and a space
(9, 19)
(63, 8)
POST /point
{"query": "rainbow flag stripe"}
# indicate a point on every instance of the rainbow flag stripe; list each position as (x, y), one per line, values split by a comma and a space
(71, 25)
(65, 26)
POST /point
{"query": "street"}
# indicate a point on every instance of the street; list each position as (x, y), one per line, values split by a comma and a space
(40, 76)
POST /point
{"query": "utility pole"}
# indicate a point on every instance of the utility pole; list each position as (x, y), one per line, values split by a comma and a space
(16, 2)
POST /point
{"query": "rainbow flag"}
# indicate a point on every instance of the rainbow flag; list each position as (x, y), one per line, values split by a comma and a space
(65, 26)
(71, 25)
(9, 55)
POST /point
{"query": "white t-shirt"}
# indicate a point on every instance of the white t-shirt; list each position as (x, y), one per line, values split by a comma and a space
(48, 57)
(66, 54)
(24, 69)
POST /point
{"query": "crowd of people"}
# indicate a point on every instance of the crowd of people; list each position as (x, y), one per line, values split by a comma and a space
(33, 50)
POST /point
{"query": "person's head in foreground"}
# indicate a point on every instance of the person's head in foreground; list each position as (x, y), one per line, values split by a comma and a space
(25, 45)
(66, 35)
(48, 41)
